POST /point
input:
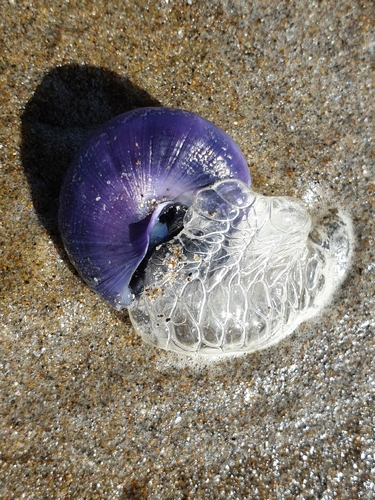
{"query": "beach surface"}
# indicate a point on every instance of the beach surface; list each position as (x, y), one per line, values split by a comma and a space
(88, 410)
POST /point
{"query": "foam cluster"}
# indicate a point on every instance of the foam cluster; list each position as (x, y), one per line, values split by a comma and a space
(244, 272)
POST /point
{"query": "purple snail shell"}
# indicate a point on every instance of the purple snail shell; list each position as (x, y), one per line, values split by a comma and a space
(157, 215)
(128, 171)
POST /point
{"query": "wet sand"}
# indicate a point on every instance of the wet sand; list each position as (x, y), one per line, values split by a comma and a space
(87, 409)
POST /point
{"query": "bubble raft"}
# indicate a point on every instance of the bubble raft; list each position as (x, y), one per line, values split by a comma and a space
(244, 272)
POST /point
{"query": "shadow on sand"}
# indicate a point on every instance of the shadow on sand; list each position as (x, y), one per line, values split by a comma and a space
(70, 102)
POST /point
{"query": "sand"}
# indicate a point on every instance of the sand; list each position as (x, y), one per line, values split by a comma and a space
(87, 409)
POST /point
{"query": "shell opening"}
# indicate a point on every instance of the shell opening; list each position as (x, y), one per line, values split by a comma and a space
(165, 223)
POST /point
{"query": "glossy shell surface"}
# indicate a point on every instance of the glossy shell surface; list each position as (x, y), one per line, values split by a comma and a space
(121, 179)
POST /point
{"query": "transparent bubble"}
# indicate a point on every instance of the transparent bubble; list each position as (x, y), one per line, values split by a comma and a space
(245, 271)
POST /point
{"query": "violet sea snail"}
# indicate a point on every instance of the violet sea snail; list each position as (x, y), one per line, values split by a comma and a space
(157, 215)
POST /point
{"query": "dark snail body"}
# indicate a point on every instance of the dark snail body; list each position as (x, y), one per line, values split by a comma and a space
(124, 177)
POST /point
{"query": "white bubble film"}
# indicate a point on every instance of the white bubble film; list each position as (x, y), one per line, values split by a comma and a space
(245, 271)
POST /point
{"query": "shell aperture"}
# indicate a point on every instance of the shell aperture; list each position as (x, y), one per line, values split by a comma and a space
(157, 215)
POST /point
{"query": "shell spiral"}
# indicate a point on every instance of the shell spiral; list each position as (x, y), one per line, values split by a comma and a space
(123, 176)
(157, 215)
